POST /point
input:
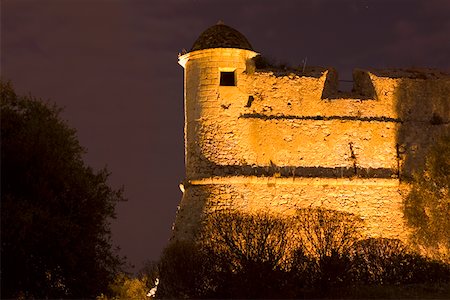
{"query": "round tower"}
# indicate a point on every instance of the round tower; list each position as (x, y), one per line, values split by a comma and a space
(214, 72)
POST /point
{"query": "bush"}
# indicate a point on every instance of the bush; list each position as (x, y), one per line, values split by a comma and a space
(381, 261)
(328, 237)
(253, 251)
(126, 287)
(184, 272)
(236, 256)
(257, 256)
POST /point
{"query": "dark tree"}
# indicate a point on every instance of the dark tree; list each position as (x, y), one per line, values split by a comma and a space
(186, 270)
(55, 210)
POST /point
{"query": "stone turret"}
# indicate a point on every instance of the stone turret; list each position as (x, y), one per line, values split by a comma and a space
(213, 90)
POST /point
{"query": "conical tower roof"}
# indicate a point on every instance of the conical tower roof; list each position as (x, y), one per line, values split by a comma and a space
(221, 36)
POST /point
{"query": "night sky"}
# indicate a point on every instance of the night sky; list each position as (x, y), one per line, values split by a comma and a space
(113, 66)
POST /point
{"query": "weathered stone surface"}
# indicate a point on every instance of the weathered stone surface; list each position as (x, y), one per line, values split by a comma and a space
(377, 201)
(279, 142)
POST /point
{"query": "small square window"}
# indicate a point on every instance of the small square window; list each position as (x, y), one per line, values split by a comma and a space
(227, 79)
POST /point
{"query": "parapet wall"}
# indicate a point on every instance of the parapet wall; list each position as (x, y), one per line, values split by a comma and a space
(284, 121)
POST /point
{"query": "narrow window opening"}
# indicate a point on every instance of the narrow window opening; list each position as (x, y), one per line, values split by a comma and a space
(227, 79)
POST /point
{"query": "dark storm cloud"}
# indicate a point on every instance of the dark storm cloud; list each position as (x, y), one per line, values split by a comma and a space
(113, 65)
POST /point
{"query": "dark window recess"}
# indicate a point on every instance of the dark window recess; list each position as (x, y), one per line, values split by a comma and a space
(227, 79)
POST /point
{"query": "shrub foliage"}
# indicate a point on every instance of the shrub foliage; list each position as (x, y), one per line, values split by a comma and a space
(318, 253)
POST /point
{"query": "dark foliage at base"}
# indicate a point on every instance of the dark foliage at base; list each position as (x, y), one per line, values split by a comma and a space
(259, 256)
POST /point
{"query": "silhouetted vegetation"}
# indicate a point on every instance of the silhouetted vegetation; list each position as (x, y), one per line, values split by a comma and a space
(284, 68)
(327, 239)
(263, 62)
(318, 253)
(125, 286)
(251, 251)
(55, 214)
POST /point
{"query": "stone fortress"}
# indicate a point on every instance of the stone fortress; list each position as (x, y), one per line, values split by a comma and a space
(259, 138)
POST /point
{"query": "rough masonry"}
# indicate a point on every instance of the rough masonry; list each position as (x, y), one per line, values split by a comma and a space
(259, 138)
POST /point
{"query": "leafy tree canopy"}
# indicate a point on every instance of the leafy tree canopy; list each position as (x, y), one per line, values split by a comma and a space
(55, 214)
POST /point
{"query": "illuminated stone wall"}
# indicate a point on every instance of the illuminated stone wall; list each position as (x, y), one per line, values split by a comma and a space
(377, 201)
(280, 140)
